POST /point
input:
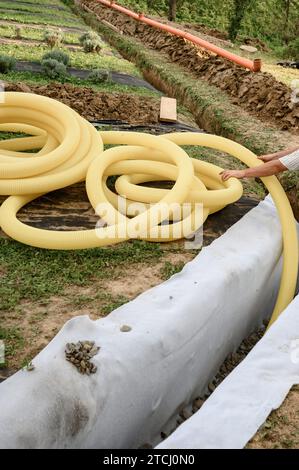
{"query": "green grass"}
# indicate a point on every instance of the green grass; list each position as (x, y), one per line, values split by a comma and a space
(13, 341)
(113, 303)
(33, 274)
(108, 301)
(263, 19)
(10, 135)
(42, 19)
(8, 31)
(43, 2)
(109, 87)
(169, 269)
(35, 8)
(78, 59)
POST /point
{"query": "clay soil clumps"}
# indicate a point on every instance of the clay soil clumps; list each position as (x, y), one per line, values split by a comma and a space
(93, 105)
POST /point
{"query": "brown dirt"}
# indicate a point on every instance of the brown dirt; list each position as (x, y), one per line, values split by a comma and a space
(256, 42)
(259, 93)
(204, 29)
(281, 429)
(41, 321)
(213, 35)
(294, 200)
(93, 105)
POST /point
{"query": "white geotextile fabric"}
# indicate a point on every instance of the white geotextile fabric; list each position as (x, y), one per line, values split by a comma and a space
(182, 330)
(242, 402)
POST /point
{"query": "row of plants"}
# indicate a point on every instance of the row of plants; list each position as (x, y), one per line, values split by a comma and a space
(79, 59)
(33, 79)
(90, 41)
(59, 3)
(54, 66)
(35, 34)
(38, 13)
(42, 19)
(35, 8)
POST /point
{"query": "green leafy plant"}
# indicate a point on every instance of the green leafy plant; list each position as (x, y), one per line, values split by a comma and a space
(169, 269)
(60, 56)
(7, 63)
(239, 10)
(53, 69)
(98, 76)
(18, 32)
(291, 51)
(53, 37)
(91, 42)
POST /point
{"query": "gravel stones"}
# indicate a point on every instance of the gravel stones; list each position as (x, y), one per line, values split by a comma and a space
(80, 354)
(125, 328)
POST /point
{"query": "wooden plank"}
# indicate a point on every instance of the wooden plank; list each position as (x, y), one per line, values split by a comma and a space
(168, 109)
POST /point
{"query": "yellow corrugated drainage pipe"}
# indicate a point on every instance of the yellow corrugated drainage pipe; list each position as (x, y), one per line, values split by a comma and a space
(71, 150)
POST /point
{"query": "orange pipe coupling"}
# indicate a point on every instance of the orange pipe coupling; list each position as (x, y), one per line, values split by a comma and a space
(253, 65)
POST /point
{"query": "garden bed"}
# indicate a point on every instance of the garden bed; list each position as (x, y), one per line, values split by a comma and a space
(36, 26)
(116, 77)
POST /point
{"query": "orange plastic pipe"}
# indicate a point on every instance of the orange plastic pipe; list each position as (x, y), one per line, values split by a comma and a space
(253, 65)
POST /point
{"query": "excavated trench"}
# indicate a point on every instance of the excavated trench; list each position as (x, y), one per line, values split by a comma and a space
(230, 363)
(259, 93)
(114, 111)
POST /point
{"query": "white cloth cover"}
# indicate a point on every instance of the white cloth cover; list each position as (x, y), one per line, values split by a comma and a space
(242, 402)
(182, 330)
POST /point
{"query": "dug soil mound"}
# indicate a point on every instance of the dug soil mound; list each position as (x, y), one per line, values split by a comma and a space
(259, 93)
(93, 105)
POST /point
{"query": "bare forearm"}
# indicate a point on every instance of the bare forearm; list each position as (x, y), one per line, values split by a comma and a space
(268, 169)
(283, 153)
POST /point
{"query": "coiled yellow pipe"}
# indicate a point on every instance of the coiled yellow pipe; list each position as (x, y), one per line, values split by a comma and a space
(71, 150)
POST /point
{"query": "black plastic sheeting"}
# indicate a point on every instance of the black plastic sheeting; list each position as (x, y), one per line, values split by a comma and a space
(156, 129)
(116, 77)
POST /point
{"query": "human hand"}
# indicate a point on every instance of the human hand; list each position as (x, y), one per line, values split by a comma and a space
(267, 158)
(226, 174)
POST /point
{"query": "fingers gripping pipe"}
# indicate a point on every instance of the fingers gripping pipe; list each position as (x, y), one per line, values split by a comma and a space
(71, 150)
